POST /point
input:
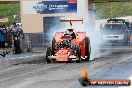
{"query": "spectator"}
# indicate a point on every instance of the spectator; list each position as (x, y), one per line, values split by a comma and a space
(8, 38)
(2, 38)
(17, 33)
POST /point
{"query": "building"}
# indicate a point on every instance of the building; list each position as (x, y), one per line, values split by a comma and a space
(34, 22)
(37, 19)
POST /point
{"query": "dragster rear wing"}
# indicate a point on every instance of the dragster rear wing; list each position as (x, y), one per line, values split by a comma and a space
(70, 20)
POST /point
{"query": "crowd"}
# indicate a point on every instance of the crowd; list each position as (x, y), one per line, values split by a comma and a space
(11, 36)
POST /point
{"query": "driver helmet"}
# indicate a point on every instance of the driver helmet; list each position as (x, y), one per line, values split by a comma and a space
(70, 31)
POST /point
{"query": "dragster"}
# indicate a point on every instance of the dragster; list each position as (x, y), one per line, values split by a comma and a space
(69, 46)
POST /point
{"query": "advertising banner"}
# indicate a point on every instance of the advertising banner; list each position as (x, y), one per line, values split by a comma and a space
(49, 7)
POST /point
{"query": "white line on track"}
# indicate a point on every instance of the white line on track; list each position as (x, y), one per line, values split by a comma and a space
(27, 56)
(13, 58)
(34, 55)
(20, 57)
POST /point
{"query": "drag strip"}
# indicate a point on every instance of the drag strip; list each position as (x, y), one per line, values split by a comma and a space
(35, 74)
(12, 59)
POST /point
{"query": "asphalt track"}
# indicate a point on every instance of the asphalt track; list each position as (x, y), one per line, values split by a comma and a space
(38, 74)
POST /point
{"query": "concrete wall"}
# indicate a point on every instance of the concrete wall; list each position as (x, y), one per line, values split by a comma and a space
(33, 23)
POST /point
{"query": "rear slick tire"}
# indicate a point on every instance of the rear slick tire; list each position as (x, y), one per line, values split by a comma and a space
(87, 49)
(48, 53)
(78, 54)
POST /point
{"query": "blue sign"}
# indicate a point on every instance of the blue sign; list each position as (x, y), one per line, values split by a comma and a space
(48, 7)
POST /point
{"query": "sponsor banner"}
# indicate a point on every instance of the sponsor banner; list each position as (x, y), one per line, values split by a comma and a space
(4, 20)
(49, 7)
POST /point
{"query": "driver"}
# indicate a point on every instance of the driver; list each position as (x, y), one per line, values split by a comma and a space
(64, 43)
(71, 33)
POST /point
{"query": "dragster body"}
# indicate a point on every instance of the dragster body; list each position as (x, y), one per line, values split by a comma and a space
(69, 47)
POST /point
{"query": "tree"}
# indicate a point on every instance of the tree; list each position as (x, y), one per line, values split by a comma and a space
(8, 10)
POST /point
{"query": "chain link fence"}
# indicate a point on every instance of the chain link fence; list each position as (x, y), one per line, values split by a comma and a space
(39, 41)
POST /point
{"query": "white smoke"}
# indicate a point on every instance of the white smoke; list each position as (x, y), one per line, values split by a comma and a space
(88, 27)
(94, 35)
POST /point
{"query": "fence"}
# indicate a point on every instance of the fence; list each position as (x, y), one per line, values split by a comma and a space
(37, 39)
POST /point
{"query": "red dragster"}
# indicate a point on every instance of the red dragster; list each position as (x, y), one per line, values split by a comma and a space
(69, 46)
